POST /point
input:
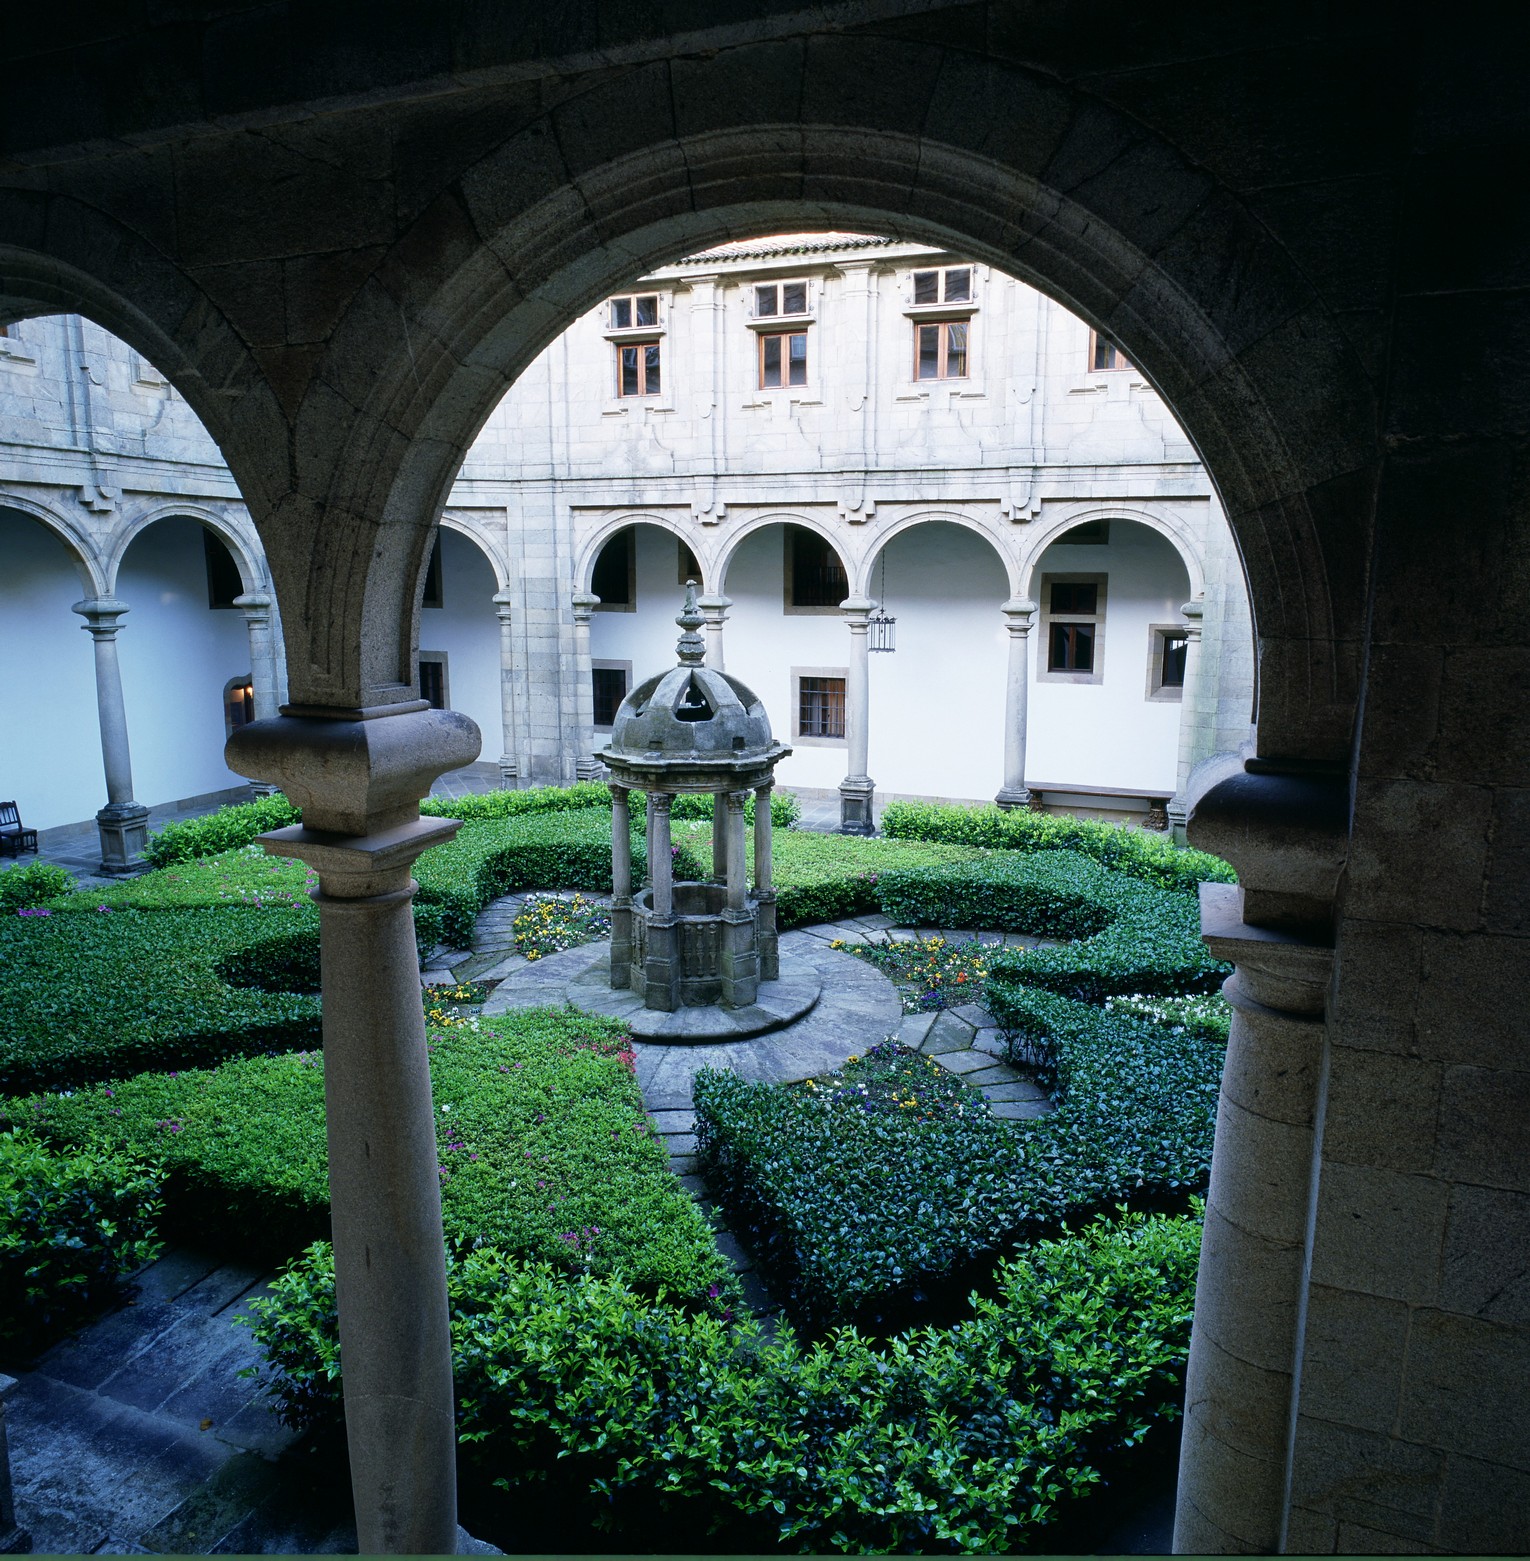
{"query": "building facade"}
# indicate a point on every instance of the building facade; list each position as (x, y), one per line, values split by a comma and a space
(899, 478)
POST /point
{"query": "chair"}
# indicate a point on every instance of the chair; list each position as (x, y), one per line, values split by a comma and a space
(14, 836)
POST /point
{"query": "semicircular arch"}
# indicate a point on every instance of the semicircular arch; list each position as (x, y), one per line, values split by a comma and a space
(936, 517)
(485, 545)
(245, 549)
(593, 545)
(83, 555)
(1180, 536)
(730, 544)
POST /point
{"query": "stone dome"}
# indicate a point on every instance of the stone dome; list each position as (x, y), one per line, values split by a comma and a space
(691, 711)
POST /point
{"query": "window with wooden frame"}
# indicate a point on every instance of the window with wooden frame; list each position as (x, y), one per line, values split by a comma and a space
(1072, 628)
(634, 311)
(818, 705)
(433, 685)
(815, 576)
(1168, 652)
(940, 349)
(777, 298)
(943, 285)
(609, 682)
(638, 368)
(783, 359)
(1104, 354)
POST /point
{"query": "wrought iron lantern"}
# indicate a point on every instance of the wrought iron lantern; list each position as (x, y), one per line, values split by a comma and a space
(880, 630)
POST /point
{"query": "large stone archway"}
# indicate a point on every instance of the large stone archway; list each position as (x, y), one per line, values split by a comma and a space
(343, 287)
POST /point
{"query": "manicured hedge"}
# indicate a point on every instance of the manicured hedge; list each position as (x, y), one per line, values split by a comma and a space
(544, 1149)
(225, 830)
(100, 994)
(1153, 858)
(72, 1224)
(31, 884)
(959, 1440)
(516, 804)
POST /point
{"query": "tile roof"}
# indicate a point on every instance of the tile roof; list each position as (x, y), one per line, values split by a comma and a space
(785, 244)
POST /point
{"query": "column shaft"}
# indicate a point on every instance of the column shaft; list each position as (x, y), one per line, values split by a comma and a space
(737, 882)
(661, 862)
(715, 610)
(720, 836)
(1192, 744)
(586, 766)
(857, 790)
(764, 888)
(123, 822)
(1017, 620)
(621, 888)
(509, 761)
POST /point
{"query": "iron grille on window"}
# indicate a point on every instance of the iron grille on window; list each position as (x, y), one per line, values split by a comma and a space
(433, 684)
(821, 707)
(610, 688)
(818, 577)
(1171, 664)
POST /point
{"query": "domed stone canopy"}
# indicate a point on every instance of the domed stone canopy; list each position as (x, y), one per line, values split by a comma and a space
(692, 728)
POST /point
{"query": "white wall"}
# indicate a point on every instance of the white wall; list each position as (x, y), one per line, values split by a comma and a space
(50, 749)
(645, 637)
(466, 628)
(937, 702)
(176, 654)
(1109, 733)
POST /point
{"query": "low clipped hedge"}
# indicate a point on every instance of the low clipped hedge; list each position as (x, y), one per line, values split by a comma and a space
(73, 1223)
(517, 804)
(224, 830)
(1152, 858)
(31, 884)
(544, 1147)
(959, 1440)
(101, 994)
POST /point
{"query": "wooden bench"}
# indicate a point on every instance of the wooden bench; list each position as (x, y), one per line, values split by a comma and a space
(1157, 817)
(15, 837)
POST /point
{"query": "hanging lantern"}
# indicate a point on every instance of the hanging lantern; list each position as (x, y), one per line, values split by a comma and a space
(880, 628)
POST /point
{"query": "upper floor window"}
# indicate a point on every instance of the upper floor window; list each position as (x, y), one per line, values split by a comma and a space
(783, 359)
(944, 285)
(1104, 354)
(634, 311)
(940, 350)
(637, 369)
(1073, 625)
(773, 298)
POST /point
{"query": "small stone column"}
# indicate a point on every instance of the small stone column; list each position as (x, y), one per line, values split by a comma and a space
(256, 607)
(586, 765)
(720, 836)
(764, 887)
(1017, 621)
(715, 610)
(509, 764)
(357, 776)
(14, 1540)
(740, 957)
(1285, 831)
(123, 823)
(621, 888)
(661, 958)
(1190, 716)
(857, 789)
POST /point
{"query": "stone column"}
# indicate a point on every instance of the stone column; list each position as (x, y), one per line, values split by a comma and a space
(764, 887)
(1285, 833)
(358, 778)
(256, 606)
(737, 880)
(621, 888)
(715, 610)
(586, 765)
(509, 765)
(1190, 719)
(740, 954)
(123, 823)
(1018, 613)
(661, 964)
(720, 836)
(14, 1540)
(857, 789)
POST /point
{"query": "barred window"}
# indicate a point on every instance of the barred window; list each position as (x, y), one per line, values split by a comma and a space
(820, 707)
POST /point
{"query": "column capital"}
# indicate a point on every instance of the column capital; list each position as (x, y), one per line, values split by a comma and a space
(736, 800)
(255, 605)
(356, 772)
(503, 601)
(713, 606)
(857, 609)
(101, 614)
(1193, 613)
(661, 801)
(584, 603)
(360, 866)
(1018, 612)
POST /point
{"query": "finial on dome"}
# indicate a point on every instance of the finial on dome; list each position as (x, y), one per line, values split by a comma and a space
(691, 646)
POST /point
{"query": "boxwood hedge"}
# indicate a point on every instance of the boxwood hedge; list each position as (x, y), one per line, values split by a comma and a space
(1134, 852)
(544, 1150)
(959, 1440)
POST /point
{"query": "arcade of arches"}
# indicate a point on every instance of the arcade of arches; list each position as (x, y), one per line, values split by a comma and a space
(340, 249)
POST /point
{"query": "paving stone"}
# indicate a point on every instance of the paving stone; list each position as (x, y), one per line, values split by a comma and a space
(684, 1165)
(995, 1073)
(1022, 1110)
(695, 1185)
(1022, 1089)
(679, 1143)
(732, 1249)
(756, 1297)
(437, 978)
(990, 1039)
(948, 1034)
(975, 1015)
(915, 1029)
(673, 1121)
(962, 1061)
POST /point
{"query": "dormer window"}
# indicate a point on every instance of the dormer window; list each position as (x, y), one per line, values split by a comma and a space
(634, 311)
(778, 298)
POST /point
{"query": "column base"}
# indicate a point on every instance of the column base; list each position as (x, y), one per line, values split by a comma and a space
(1013, 797)
(856, 794)
(509, 773)
(1178, 813)
(1157, 816)
(124, 831)
(588, 769)
(264, 788)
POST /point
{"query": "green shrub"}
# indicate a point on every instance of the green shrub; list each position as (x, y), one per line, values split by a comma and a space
(72, 1223)
(242, 876)
(516, 804)
(1205, 1013)
(101, 994)
(1132, 937)
(858, 1208)
(1153, 858)
(544, 1149)
(33, 884)
(225, 830)
(946, 1440)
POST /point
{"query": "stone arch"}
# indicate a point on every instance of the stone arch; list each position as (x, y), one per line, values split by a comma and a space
(864, 577)
(84, 556)
(736, 539)
(591, 549)
(248, 558)
(1169, 527)
(495, 556)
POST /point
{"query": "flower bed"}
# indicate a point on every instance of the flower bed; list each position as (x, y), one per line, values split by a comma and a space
(548, 924)
(929, 973)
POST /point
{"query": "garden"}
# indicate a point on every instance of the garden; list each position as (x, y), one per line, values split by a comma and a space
(981, 1314)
